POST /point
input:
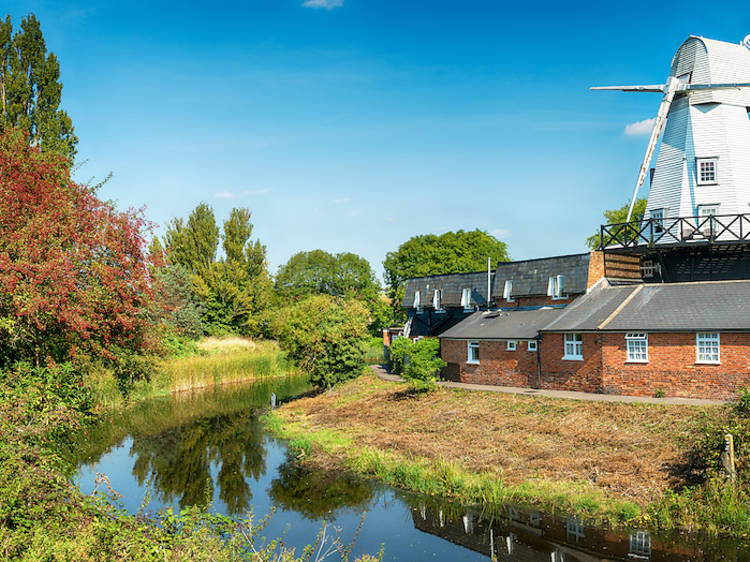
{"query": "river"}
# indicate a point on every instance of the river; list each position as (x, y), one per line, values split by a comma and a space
(195, 446)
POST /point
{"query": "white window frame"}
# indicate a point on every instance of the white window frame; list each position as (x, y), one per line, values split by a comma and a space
(556, 287)
(710, 227)
(418, 303)
(657, 216)
(533, 345)
(636, 347)
(466, 299)
(508, 290)
(649, 268)
(472, 345)
(511, 345)
(704, 341)
(709, 176)
(573, 346)
(437, 300)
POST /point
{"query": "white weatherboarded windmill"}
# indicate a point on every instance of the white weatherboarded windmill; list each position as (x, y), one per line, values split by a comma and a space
(703, 166)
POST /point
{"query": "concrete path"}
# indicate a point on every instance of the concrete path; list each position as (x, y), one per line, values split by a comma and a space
(383, 374)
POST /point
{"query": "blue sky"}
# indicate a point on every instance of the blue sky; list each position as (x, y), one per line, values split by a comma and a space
(352, 125)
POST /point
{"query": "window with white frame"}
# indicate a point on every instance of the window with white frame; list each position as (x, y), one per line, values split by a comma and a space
(707, 170)
(707, 224)
(511, 346)
(556, 287)
(649, 268)
(707, 347)
(657, 215)
(472, 352)
(573, 346)
(417, 302)
(466, 299)
(637, 347)
(532, 345)
(437, 300)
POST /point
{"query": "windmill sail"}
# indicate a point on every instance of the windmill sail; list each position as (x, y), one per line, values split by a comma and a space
(705, 156)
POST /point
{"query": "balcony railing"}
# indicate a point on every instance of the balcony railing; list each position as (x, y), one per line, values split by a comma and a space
(652, 232)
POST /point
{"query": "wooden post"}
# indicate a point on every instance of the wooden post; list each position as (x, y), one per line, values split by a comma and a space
(727, 458)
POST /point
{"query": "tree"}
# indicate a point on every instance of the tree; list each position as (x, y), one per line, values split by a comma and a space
(31, 91)
(429, 254)
(232, 290)
(615, 216)
(325, 336)
(318, 272)
(73, 270)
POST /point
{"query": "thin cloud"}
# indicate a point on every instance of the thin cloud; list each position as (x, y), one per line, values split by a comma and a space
(224, 195)
(258, 191)
(324, 4)
(232, 195)
(640, 128)
(501, 233)
(342, 200)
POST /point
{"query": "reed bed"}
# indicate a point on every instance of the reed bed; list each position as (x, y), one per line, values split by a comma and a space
(225, 363)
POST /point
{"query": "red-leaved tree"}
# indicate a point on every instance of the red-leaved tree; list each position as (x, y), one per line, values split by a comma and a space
(73, 269)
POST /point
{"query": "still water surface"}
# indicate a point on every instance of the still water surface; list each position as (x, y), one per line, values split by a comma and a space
(187, 448)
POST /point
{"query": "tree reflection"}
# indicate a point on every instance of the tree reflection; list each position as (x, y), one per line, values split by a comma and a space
(318, 493)
(178, 462)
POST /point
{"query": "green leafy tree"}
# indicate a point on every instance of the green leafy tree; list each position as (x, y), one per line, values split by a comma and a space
(176, 304)
(325, 336)
(430, 254)
(424, 365)
(31, 91)
(318, 272)
(615, 216)
(232, 290)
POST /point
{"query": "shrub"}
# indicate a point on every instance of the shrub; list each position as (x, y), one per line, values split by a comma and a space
(325, 336)
(423, 368)
(399, 349)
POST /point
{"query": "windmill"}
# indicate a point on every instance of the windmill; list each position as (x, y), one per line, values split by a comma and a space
(703, 167)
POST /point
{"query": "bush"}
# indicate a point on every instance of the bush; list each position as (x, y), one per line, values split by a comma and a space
(399, 349)
(324, 336)
(423, 368)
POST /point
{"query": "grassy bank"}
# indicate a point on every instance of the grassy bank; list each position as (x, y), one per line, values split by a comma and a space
(212, 362)
(626, 463)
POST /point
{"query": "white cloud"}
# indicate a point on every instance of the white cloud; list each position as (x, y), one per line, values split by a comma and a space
(232, 195)
(325, 4)
(341, 200)
(640, 128)
(501, 233)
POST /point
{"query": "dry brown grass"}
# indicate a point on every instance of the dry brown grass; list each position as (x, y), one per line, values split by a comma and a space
(226, 344)
(629, 451)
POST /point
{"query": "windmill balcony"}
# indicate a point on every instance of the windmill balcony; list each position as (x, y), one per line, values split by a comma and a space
(650, 233)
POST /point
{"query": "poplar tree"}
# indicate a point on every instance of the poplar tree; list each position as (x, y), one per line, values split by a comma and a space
(30, 89)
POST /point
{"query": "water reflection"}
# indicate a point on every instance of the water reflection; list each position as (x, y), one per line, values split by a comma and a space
(211, 445)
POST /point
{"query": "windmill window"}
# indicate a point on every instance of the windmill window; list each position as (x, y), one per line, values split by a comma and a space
(708, 347)
(573, 347)
(472, 352)
(649, 268)
(707, 171)
(637, 347)
(657, 216)
(707, 224)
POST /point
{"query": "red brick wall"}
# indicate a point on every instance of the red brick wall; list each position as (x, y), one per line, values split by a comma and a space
(565, 374)
(671, 367)
(497, 365)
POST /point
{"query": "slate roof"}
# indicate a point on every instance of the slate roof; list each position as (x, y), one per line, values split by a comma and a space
(452, 285)
(530, 277)
(668, 307)
(503, 324)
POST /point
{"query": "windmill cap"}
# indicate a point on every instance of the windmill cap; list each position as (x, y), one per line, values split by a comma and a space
(746, 41)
